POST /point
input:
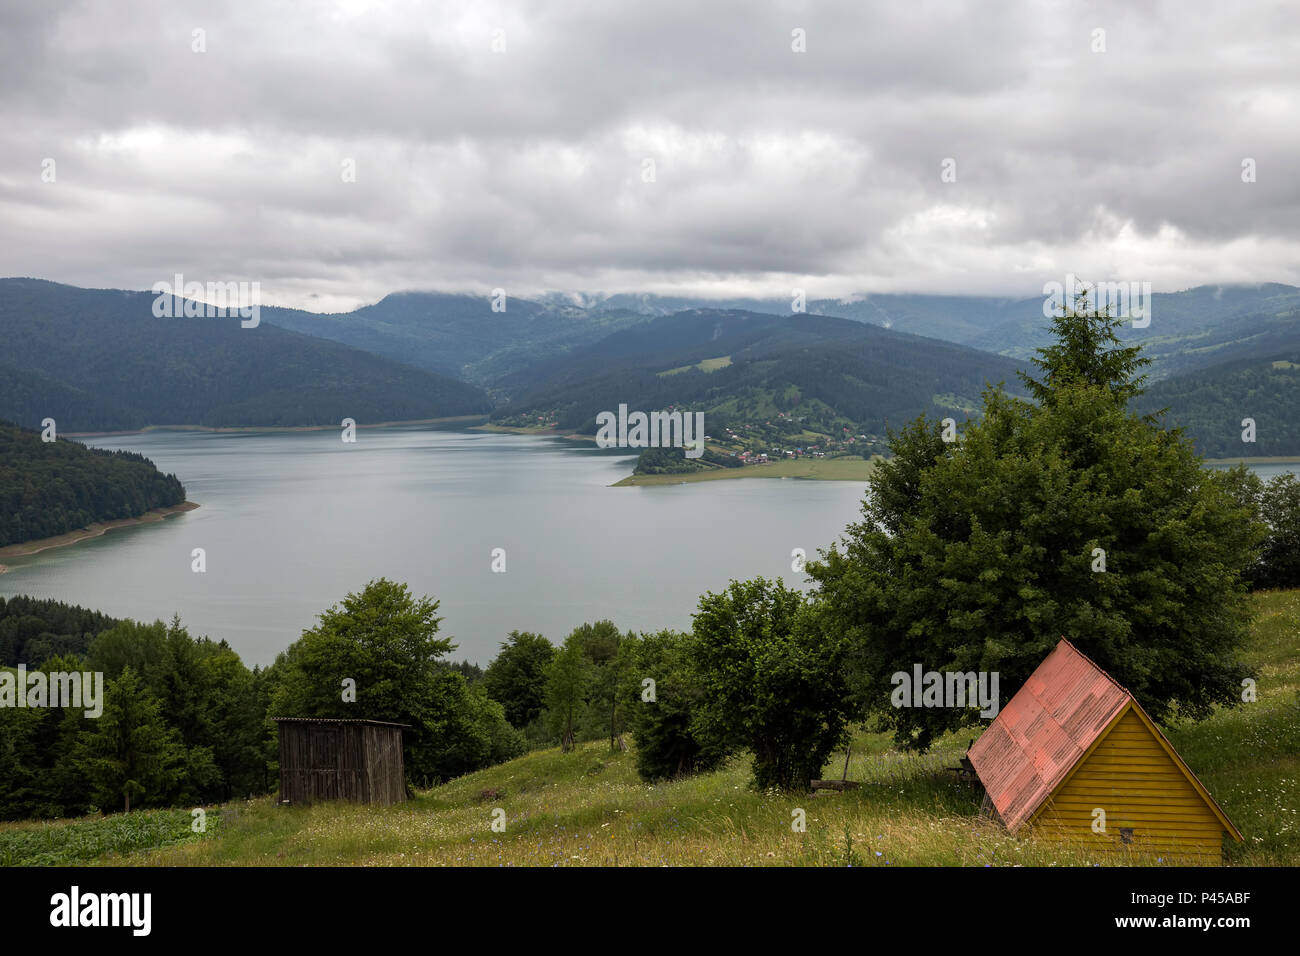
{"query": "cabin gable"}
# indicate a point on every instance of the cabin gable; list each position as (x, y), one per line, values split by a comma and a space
(1152, 804)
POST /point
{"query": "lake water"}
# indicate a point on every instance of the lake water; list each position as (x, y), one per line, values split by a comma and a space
(291, 522)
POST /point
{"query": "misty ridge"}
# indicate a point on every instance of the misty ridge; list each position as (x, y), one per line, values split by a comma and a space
(849, 366)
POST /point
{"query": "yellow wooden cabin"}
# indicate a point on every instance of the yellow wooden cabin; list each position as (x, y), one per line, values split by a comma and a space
(1073, 756)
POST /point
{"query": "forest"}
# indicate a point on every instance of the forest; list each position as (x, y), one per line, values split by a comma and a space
(37, 629)
(49, 488)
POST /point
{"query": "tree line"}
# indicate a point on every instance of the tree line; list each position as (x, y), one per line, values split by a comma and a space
(185, 722)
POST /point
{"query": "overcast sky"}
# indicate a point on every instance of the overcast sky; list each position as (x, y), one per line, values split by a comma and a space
(525, 168)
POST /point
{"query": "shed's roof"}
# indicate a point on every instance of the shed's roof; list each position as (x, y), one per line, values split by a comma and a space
(1037, 738)
(336, 720)
(1043, 730)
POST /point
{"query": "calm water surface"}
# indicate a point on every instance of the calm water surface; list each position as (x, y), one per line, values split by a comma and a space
(291, 522)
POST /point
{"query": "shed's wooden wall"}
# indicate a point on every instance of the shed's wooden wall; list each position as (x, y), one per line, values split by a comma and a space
(1130, 776)
(361, 763)
(387, 773)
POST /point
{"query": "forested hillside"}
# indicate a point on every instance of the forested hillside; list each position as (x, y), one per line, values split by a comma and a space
(48, 488)
(1190, 329)
(459, 335)
(1212, 403)
(810, 374)
(954, 318)
(99, 360)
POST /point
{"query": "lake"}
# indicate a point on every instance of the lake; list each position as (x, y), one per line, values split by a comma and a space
(290, 522)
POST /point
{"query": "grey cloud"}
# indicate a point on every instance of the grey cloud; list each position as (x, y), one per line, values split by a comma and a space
(477, 169)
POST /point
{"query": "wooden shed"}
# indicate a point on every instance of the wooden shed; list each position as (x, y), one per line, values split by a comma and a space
(1072, 742)
(355, 760)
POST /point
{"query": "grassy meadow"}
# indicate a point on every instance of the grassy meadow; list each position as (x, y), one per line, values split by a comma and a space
(589, 808)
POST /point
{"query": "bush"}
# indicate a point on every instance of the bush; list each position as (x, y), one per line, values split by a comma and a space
(771, 681)
(666, 745)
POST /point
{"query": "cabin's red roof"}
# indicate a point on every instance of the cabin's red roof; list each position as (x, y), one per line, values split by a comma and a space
(1045, 728)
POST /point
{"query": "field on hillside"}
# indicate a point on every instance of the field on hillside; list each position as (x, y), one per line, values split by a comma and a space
(588, 808)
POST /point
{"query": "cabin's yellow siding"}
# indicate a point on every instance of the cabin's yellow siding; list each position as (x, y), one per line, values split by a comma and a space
(1129, 774)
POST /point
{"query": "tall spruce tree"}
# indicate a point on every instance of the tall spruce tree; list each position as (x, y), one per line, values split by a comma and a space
(129, 752)
(1068, 516)
(1087, 352)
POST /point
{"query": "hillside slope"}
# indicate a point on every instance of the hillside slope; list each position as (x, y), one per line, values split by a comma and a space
(1212, 403)
(1189, 329)
(794, 374)
(98, 360)
(459, 335)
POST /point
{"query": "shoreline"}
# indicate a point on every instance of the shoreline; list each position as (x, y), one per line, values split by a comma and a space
(801, 469)
(844, 468)
(271, 428)
(25, 549)
(1258, 460)
(841, 469)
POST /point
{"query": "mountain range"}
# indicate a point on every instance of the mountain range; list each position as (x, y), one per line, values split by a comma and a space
(98, 360)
